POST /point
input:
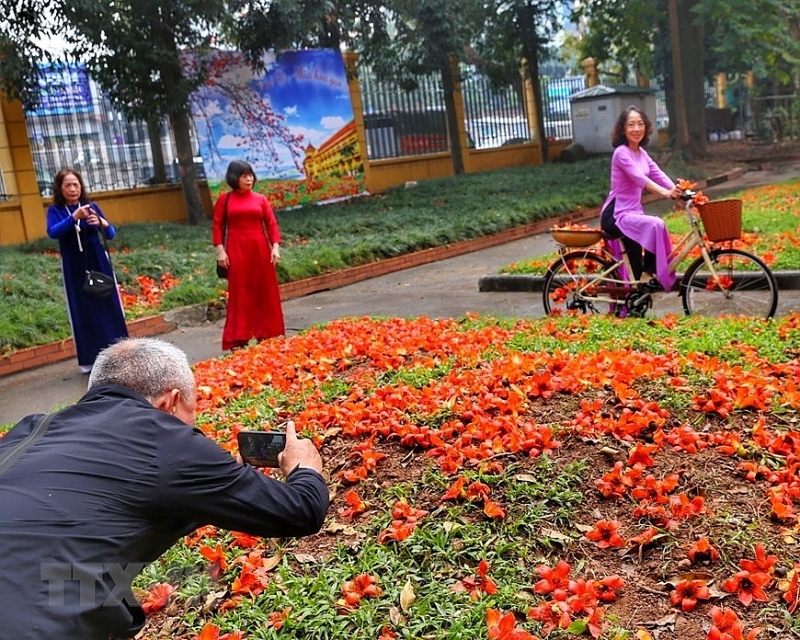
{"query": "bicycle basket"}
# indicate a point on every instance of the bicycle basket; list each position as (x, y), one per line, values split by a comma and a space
(722, 219)
(576, 237)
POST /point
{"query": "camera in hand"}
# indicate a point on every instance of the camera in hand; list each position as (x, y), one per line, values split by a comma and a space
(261, 448)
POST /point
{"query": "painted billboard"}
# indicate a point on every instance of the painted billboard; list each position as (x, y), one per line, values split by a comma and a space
(293, 122)
(63, 88)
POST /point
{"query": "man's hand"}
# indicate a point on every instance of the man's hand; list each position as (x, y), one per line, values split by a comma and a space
(298, 452)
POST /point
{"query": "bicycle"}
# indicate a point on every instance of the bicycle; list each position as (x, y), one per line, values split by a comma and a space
(723, 280)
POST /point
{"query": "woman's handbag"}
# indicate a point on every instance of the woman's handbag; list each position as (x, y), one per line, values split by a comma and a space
(98, 284)
(222, 272)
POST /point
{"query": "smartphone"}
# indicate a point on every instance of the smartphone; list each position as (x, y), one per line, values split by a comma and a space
(261, 448)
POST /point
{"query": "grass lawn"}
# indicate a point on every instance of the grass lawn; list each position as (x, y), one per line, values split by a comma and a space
(163, 266)
(556, 478)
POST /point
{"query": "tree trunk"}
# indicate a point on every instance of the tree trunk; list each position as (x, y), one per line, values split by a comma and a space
(449, 88)
(530, 51)
(681, 126)
(541, 134)
(692, 54)
(154, 134)
(186, 168)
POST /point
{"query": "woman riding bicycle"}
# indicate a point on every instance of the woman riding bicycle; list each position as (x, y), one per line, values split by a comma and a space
(623, 217)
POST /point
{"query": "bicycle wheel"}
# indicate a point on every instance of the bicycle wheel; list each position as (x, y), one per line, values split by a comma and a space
(572, 284)
(747, 286)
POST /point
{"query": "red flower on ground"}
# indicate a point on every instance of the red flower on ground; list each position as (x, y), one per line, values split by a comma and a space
(748, 586)
(606, 589)
(477, 584)
(504, 626)
(727, 625)
(702, 551)
(555, 581)
(157, 597)
(605, 534)
(688, 592)
(792, 595)
(277, 618)
(362, 586)
(762, 564)
(216, 557)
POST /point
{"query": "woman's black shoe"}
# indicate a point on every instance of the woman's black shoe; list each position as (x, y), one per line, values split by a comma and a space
(652, 285)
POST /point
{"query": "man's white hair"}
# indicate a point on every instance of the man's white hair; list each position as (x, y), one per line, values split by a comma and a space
(147, 366)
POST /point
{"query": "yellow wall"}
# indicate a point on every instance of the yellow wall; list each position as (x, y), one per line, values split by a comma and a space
(147, 204)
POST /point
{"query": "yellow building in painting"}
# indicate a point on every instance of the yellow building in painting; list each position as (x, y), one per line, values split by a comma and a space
(339, 155)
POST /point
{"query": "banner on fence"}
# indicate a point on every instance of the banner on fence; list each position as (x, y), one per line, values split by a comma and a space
(293, 123)
(63, 88)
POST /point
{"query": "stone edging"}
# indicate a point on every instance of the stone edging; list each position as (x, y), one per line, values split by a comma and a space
(153, 325)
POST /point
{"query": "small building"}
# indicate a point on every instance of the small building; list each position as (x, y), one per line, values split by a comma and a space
(596, 109)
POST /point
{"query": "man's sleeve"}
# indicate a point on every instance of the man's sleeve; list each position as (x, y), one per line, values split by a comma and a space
(202, 483)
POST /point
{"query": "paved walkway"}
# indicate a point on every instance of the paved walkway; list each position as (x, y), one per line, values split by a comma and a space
(448, 288)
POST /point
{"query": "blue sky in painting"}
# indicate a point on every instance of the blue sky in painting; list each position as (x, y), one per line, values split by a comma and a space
(307, 88)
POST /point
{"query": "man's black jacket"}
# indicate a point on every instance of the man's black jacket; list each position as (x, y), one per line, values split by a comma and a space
(111, 485)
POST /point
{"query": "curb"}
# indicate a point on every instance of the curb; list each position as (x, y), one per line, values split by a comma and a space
(787, 280)
(193, 315)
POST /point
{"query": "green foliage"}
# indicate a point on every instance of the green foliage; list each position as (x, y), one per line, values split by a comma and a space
(316, 240)
(444, 549)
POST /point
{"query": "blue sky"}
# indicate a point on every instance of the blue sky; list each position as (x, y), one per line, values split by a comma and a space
(308, 88)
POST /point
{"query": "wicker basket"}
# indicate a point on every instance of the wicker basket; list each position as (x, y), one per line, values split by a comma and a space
(576, 237)
(722, 219)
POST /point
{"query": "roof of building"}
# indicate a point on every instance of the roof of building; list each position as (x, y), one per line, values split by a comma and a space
(611, 89)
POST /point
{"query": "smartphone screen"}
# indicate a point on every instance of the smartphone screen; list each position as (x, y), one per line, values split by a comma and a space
(261, 448)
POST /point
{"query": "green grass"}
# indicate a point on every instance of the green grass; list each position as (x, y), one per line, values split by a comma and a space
(316, 240)
(550, 498)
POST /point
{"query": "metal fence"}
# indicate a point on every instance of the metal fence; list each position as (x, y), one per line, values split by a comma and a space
(495, 117)
(75, 126)
(401, 122)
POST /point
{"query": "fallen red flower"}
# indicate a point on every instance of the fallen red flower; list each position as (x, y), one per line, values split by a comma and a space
(157, 597)
(702, 551)
(605, 534)
(688, 592)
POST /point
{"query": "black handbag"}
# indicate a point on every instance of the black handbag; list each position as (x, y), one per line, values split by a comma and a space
(222, 272)
(97, 283)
